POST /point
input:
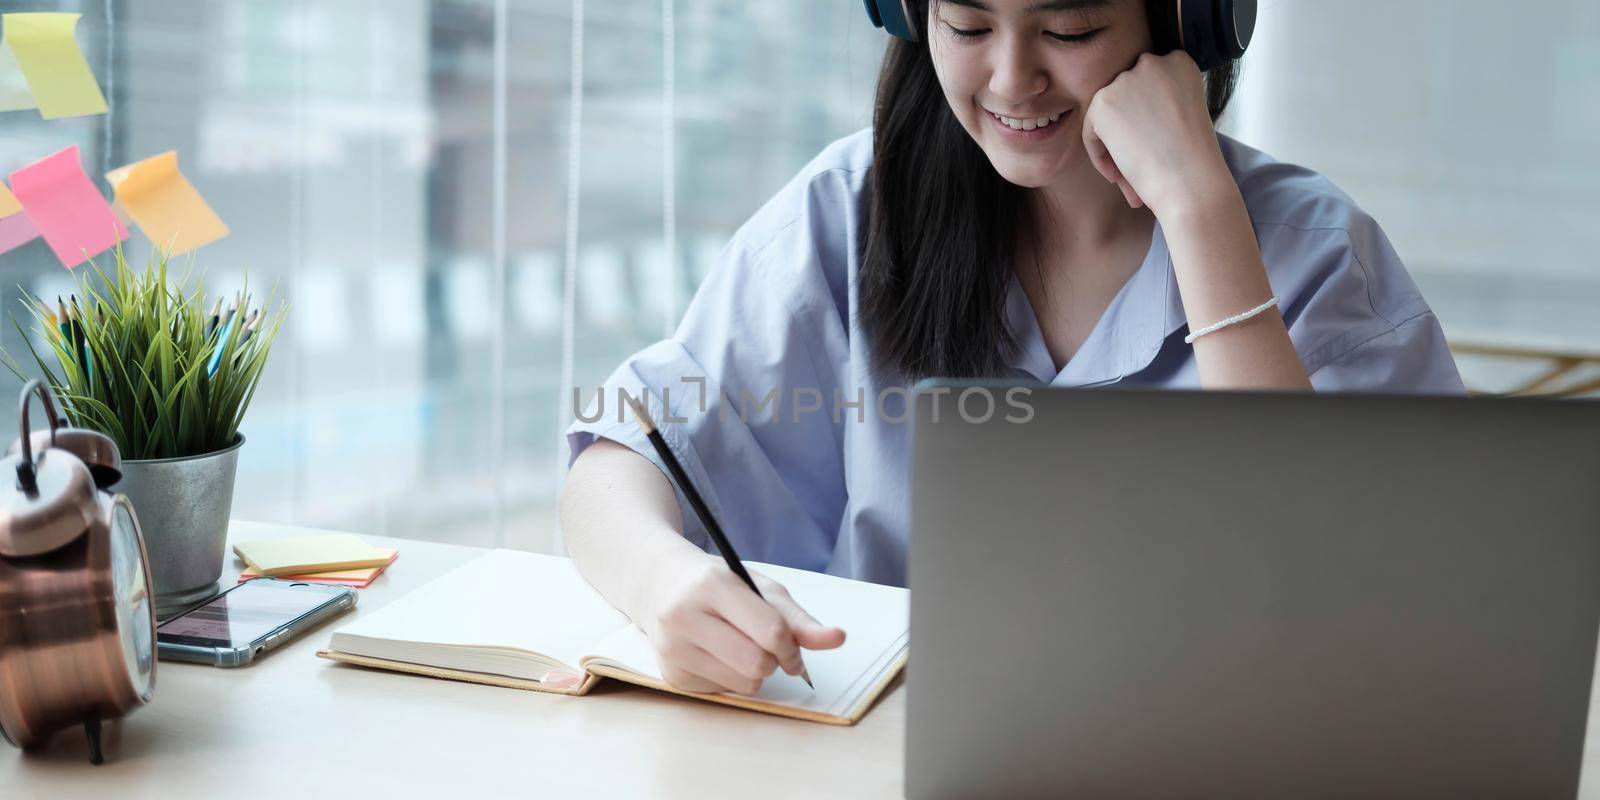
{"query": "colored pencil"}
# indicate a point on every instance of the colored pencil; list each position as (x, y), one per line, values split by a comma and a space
(79, 342)
(50, 316)
(249, 326)
(222, 342)
(62, 322)
(216, 314)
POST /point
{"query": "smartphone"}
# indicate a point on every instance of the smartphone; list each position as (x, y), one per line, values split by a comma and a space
(251, 619)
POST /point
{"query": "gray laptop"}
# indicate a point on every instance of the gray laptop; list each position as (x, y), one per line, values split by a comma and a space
(1184, 594)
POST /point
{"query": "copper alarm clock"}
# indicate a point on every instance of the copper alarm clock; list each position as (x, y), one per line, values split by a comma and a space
(77, 619)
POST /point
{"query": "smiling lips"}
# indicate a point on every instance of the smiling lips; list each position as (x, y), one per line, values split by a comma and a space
(1025, 123)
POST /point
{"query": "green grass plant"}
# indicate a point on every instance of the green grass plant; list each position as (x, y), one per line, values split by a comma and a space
(146, 381)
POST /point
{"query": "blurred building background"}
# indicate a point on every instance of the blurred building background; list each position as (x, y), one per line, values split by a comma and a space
(400, 172)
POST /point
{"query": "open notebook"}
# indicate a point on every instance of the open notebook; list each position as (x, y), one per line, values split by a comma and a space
(525, 621)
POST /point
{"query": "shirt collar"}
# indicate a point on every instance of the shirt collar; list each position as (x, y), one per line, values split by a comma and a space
(1127, 337)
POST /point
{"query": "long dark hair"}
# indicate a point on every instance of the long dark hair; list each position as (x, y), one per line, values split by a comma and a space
(944, 225)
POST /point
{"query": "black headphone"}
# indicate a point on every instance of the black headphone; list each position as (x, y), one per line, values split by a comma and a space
(1212, 32)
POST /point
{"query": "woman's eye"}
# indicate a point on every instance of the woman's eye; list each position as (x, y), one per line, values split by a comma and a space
(966, 33)
(1075, 37)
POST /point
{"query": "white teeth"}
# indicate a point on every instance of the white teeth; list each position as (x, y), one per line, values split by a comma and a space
(1025, 124)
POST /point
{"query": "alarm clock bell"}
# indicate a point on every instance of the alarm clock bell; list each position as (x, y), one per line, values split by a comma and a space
(77, 618)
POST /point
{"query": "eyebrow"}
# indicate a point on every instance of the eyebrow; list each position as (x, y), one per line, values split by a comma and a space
(1041, 7)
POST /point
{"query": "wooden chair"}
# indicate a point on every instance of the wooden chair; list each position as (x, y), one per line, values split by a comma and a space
(1561, 377)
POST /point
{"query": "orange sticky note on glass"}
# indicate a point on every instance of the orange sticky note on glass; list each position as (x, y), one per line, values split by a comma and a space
(157, 197)
(8, 202)
(15, 227)
(69, 212)
(42, 46)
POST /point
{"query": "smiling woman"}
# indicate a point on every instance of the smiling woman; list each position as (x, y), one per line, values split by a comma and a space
(958, 135)
(1043, 198)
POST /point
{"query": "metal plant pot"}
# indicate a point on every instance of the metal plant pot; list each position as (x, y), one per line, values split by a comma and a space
(183, 506)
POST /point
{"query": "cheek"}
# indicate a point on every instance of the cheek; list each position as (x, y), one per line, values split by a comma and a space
(960, 77)
(1102, 62)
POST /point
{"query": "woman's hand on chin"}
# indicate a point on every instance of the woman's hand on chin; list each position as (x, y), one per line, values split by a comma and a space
(1149, 132)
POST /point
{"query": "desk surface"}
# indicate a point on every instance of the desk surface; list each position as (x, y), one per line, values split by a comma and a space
(296, 721)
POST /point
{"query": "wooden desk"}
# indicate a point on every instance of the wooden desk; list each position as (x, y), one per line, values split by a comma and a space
(295, 722)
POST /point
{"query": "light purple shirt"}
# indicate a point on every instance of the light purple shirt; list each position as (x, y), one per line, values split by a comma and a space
(816, 483)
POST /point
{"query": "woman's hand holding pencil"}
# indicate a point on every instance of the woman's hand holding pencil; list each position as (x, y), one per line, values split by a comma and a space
(712, 634)
(715, 625)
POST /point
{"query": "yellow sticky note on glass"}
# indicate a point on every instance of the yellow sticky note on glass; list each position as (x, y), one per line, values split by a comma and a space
(42, 46)
(14, 93)
(8, 202)
(165, 205)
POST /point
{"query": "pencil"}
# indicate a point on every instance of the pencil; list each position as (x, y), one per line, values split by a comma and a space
(246, 329)
(216, 314)
(64, 322)
(249, 327)
(222, 343)
(50, 317)
(700, 509)
(79, 342)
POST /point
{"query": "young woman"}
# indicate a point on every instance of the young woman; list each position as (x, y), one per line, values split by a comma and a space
(1040, 198)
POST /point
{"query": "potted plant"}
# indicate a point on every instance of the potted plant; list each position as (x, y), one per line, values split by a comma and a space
(168, 376)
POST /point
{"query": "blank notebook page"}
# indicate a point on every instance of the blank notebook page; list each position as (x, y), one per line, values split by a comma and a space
(503, 598)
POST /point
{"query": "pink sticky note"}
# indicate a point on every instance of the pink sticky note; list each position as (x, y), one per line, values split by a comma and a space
(68, 211)
(16, 230)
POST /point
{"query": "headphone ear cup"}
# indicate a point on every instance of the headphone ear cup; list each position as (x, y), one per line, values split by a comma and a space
(1164, 34)
(1201, 31)
(872, 13)
(893, 16)
(1237, 27)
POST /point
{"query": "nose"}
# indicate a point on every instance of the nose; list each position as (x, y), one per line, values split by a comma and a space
(1017, 74)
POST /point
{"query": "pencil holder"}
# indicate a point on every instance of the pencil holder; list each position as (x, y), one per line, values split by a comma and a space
(183, 505)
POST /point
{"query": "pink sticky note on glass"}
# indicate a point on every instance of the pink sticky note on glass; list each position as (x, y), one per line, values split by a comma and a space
(68, 211)
(16, 230)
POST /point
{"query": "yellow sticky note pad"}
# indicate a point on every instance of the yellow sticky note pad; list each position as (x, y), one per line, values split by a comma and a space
(165, 205)
(8, 202)
(306, 554)
(43, 48)
(359, 578)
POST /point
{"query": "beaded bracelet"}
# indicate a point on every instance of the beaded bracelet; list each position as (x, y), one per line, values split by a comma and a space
(1233, 320)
